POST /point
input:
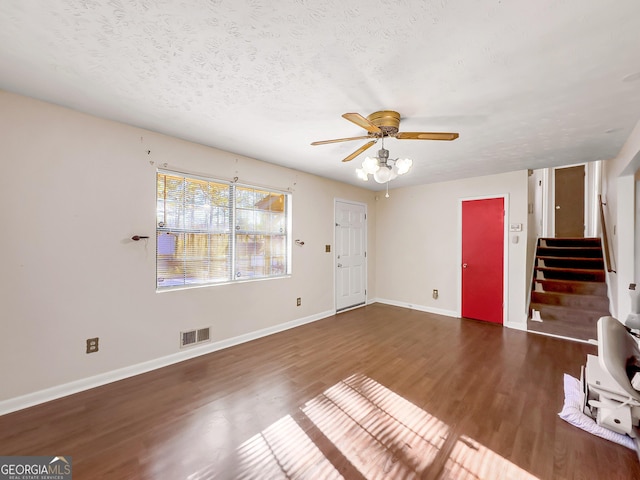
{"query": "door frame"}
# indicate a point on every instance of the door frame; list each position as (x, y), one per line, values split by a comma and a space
(585, 194)
(335, 260)
(505, 254)
(592, 187)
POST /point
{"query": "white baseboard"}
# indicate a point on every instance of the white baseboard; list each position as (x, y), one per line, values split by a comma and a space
(421, 308)
(517, 325)
(46, 395)
(440, 311)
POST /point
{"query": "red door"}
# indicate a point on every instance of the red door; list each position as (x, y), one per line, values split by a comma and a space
(483, 259)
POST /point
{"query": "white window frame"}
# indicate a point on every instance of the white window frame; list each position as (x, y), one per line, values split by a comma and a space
(234, 230)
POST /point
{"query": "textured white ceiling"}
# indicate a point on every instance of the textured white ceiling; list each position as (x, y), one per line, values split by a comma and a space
(528, 84)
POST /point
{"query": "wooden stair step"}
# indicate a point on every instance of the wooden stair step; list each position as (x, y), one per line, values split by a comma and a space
(570, 262)
(574, 287)
(583, 302)
(581, 274)
(590, 252)
(570, 242)
(570, 330)
(550, 313)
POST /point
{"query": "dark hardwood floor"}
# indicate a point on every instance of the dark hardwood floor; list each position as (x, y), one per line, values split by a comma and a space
(378, 392)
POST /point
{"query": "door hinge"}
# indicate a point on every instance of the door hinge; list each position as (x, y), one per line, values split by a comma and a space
(365, 254)
(365, 216)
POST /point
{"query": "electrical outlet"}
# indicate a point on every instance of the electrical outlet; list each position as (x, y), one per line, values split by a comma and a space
(298, 301)
(435, 294)
(92, 345)
(327, 248)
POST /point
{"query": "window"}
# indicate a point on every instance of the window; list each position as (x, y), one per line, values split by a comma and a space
(210, 231)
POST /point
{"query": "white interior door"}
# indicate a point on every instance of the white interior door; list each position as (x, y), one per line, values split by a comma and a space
(351, 254)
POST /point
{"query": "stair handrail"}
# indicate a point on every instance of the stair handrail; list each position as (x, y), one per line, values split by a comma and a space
(605, 238)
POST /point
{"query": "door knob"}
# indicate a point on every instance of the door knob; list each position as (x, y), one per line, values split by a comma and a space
(557, 207)
(339, 265)
(464, 265)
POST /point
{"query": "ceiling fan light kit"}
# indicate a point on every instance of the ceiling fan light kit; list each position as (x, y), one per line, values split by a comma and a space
(385, 123)
(383, 168)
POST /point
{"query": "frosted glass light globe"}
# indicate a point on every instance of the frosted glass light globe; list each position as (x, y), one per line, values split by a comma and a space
(403, 165)
(383, 175)
(370, 165)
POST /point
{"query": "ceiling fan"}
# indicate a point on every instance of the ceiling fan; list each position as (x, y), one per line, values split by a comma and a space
(383, 124)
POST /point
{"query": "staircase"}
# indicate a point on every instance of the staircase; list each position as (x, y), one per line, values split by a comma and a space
(569, 292)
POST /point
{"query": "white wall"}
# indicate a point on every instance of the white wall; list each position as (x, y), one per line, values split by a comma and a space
(593, 190)
(637, 232)
(418, 243)
(621, 217)
(535, 194)
(74, 189)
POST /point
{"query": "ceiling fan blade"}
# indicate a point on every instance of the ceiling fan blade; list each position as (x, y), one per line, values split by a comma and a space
(362, 122)
(427, 136)
(324, 142)
(359, 151)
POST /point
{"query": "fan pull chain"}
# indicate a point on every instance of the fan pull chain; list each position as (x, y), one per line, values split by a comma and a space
(386, 195)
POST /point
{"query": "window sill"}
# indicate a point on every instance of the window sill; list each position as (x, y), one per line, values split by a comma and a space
(206, 285)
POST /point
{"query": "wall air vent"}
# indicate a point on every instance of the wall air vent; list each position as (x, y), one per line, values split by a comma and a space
(187, 338)
(193, 337)
(203, 335)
